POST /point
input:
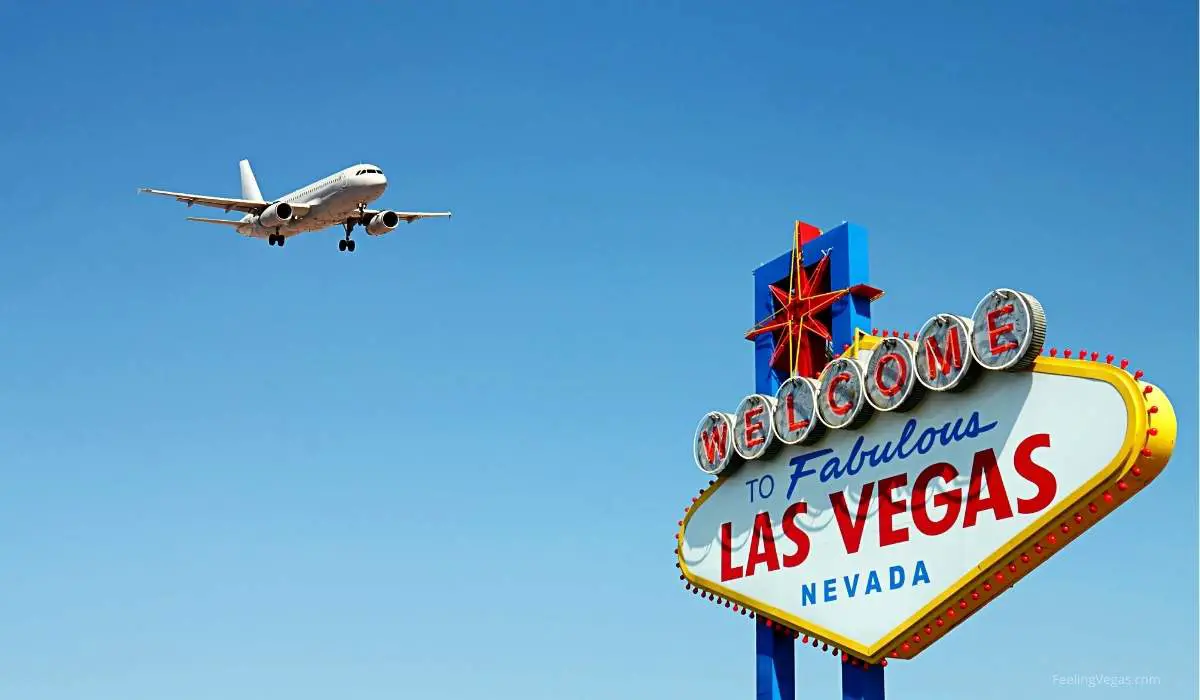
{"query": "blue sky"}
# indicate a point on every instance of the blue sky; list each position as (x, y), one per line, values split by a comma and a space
(451, 463)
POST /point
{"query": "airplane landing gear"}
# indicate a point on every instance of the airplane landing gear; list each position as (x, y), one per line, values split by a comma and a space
(276, 239)
(347, 244)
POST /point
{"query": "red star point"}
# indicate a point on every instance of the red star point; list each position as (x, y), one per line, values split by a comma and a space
(800, 337)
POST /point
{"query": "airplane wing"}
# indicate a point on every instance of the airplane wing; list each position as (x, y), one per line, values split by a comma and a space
(215, 221)
(410, 216)
(248, 206)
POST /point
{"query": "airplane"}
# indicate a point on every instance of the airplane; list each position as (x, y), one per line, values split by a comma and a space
(341, 198)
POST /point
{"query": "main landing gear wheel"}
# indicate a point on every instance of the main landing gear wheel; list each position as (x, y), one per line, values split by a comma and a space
(276, 239)
(346, 244)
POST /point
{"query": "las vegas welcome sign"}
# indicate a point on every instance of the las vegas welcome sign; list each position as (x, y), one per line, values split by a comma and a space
(879, 505)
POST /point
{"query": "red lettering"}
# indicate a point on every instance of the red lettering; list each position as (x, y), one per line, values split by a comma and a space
(985, 474)
(839, 409)
(762, 545)
(983, 468)
(901, 364)
(939, 362)
(852, 532)
(889, 508)
(715, 443)
(994, 331)
(1035, 473)
(951, 500)
(798, 536)
(754, 428)
(791, 414)
(728, 570)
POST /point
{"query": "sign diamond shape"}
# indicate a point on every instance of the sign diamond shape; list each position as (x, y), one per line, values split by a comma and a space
(881, 537)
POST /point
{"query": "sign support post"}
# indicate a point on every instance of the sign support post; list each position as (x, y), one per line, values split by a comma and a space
(860, 683)
(775, 675)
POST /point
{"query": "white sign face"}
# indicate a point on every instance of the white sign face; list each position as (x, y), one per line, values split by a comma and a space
(879, 505)
(864, 533)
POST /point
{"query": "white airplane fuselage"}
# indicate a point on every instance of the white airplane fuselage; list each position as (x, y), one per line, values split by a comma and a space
(341, 199)
(333, 200)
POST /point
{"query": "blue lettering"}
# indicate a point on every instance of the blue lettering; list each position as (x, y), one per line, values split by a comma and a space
(873, 583)
(878, 455)
(751, 485)
(854, 462)
(872, 455)
(947, 432)
(922, 446)
(799, 471)
(832, 469)
(826, 591)
(920, 574)
(910, 427)
(766, 479)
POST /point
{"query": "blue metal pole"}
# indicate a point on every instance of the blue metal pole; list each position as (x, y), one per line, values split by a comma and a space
(860, 683)
(776, 664)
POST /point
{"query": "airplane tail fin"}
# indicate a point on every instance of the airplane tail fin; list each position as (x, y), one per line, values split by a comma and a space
(249, 184)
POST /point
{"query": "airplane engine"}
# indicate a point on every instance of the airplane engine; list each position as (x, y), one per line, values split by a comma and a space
(382, 223)
(277, 214)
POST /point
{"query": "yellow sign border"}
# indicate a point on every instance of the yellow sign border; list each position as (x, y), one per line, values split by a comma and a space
(1147, 446)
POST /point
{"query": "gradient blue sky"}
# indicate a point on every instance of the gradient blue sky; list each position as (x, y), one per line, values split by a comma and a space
(450, 464)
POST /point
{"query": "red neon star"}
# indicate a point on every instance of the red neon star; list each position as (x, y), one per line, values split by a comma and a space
(800, 337)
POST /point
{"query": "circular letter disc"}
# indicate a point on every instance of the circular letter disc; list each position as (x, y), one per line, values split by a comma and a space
(752, 433)
(891, 375)
(840, 399)
(796, 411)
(944, 352)
(1010, 330)
(713, 445)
